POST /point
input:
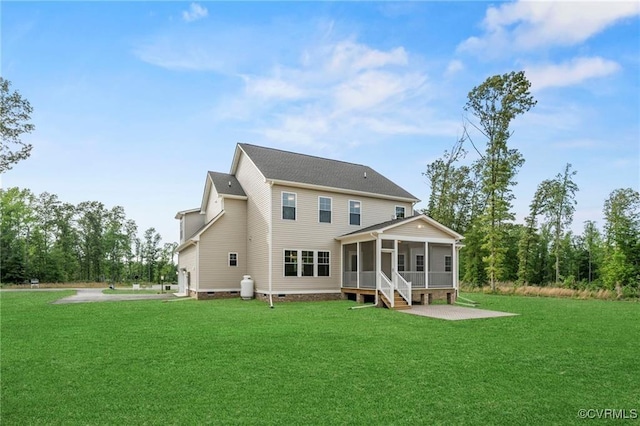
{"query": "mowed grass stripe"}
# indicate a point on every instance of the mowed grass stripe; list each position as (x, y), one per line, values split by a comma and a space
(239, 362)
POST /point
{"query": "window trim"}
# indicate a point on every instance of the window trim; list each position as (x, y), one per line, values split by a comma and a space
(330, 210)
(229, 259)
(424, 258)
(300, 263)
(282, 206)
(404, 212)
(404, 262)
(450, 263)
(317, 263)
(349, 212)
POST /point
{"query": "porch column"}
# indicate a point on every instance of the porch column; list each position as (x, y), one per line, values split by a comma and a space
(378, 261)
(454, 267)
(426, 264)
(394, 264)
(358, 264)
(341, 264)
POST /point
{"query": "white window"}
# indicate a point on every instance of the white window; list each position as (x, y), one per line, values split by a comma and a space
(324, 209)
(291, 263)
(306, 263)
(323, 263)
(354, 212)
(233, 259)
(447, 264)
(400, 212)
(289, 205)
(401, 264)
(420, 263)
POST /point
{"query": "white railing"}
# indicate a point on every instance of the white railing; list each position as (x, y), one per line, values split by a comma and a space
(386, 288)
(417, 279)
(403, 287)
(440, 280)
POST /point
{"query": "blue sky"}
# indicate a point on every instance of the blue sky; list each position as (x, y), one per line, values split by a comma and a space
(135, 101)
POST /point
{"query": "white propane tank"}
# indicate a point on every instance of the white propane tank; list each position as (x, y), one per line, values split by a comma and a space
(246, 288)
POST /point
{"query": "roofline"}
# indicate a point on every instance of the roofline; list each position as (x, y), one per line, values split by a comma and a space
(206, 194)
(184, 212)
(196, 237)
(424, 217)
(341, 190)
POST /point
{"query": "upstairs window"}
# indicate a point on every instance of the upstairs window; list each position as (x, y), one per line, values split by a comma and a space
(354, 212)
(289, 205)
(400, 212)
(324, 209)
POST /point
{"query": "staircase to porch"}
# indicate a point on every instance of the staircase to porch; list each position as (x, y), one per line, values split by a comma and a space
(399, 303)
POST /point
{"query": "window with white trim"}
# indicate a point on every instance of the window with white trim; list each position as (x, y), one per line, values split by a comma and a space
(307, 263)
(233, 259)
(289, 205)
(324, 209)
(400, 212)
(291, 263)
(420, 262)
(354, 212)
(401, 262)
(324, 260)
(447, 264)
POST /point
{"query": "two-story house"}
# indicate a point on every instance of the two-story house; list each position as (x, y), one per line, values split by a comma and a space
(310, 228)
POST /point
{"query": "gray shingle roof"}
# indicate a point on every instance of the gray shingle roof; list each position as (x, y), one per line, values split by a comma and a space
(227, 184)
(379, 226)
(292, 167)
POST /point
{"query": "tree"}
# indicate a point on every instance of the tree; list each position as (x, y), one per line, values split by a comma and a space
(592, 243)
(15, 113)
(495, 103)
(151, 251)
(529, 237)
(16, 221)
(622, 233)
(559, 208)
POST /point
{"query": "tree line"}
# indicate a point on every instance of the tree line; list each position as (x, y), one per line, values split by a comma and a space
(476, 201)
(44, 238)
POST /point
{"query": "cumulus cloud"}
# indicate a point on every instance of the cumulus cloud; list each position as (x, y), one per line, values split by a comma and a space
(532, 24)
(194, 12)
(570, 73)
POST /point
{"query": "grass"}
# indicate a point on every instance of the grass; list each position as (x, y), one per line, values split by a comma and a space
(238, 362)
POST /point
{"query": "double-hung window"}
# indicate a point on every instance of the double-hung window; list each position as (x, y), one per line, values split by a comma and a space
(323, 263)
(289, 205)
(291, 263)
(233, 259)
(420, 263)
(354, 212)
(307, 263)
(324, 209)
(447, 264)
(400, 214)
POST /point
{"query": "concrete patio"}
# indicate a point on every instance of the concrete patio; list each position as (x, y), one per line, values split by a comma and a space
(453, 313)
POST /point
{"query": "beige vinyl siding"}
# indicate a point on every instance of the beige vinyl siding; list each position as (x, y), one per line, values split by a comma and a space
(192, 222)
(187, 260)
(258, 218)
(418, 228)
(214, 205)
(227, 234)
(307, 233)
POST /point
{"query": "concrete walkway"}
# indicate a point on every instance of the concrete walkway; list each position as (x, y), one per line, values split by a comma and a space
(453, 312)
(88, 295)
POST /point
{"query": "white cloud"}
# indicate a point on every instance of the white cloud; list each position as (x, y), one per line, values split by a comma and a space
(348, 56)
(570, 73)
(526, 25)
(454, 67)
(195, 12)
(271, 88)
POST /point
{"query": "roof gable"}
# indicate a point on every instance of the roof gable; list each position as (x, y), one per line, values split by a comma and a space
(227, 184)
(290, 167)
(389, 225)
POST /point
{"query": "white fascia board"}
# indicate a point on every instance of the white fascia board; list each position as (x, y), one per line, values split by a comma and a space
(341, 191)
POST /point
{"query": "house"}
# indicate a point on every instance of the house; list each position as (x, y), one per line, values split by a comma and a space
(310, 228)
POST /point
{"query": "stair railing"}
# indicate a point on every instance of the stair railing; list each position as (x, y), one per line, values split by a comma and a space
(403, 287)
(386, 288)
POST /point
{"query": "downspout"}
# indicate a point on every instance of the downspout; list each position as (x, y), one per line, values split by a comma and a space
(271, 245)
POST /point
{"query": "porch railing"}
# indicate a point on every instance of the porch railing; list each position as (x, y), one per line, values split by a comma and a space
(440, 279)
(417, 279)
(350, 279)
(403, 287)
(367, 279)
(386, 288)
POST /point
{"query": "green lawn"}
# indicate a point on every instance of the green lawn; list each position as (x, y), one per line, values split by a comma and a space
(238, 362)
